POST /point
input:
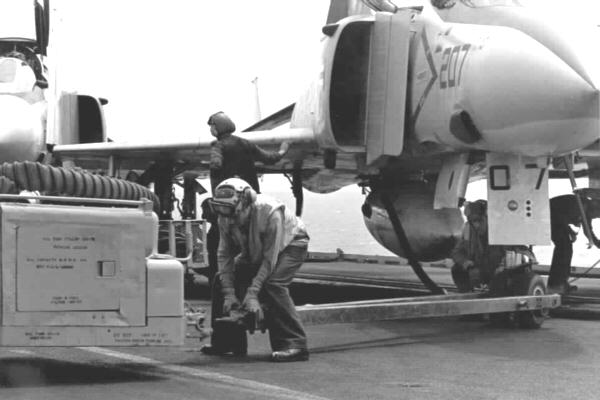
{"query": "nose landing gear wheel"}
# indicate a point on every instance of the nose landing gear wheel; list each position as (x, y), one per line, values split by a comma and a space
(530, 284)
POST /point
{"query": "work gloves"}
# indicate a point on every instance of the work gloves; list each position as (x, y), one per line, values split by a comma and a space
(252, 305)
(283, 148)
(230, 303)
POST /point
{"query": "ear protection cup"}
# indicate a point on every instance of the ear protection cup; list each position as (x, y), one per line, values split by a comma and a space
(248, 197)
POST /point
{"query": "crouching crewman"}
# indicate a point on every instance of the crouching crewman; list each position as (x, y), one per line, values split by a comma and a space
(262, 245)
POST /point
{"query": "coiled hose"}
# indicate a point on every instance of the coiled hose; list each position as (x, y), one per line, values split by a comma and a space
(34, 176)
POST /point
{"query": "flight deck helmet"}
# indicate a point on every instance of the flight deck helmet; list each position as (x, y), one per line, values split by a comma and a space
(222, 123)
(231, 196)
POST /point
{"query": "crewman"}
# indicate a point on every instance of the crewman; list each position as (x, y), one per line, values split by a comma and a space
(474, 259)
(564, 211)
(232, 156)
(212, 238)
(262, 245)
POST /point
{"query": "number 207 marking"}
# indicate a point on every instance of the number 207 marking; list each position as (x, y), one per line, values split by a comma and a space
(453, 60)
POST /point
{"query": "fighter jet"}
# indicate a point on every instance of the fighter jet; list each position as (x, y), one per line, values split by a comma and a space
(413, 100)
(37, 114)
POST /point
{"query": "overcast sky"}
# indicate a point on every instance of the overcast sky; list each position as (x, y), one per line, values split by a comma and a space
(165, 66)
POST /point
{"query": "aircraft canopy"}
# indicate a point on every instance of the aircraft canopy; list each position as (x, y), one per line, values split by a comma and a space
(17, 20)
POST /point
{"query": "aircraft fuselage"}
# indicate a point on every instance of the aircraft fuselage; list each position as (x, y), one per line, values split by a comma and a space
(471, 84)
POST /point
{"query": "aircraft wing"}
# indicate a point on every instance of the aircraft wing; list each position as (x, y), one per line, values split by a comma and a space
(189, 154)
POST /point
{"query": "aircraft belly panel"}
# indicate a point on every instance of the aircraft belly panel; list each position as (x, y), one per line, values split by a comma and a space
(518, 206)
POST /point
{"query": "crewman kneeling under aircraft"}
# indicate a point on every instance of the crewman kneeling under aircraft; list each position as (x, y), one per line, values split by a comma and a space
(262, 245)
(475, 260)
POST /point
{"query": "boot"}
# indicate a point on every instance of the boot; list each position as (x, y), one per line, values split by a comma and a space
(290, 355)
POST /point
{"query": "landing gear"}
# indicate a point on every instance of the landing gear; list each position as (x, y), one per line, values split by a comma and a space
(296, 181)
(520, 282)
(530, 284)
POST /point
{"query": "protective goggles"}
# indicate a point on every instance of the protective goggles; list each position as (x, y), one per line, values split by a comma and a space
(225, 209)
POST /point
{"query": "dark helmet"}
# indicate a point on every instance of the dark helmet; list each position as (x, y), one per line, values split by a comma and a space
(476, 208)
(222, 123)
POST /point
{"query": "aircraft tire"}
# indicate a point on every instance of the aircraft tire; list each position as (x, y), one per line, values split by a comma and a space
(530, 283)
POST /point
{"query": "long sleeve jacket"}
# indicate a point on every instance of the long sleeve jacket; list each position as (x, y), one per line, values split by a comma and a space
(232, 156)
(271, 228)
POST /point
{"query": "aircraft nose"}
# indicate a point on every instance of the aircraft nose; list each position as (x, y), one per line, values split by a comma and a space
(524, 98)
(21, 130)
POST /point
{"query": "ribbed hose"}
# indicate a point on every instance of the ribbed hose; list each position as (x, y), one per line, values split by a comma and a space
(33, 176)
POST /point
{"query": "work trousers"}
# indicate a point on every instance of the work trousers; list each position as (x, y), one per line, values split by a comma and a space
(212, 246)
(561, 256)
(281, 318)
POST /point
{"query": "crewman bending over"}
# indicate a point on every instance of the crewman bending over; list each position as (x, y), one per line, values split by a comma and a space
(564, 211)
(262, 245)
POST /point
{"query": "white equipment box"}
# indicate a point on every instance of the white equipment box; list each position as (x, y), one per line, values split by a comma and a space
(86, 276)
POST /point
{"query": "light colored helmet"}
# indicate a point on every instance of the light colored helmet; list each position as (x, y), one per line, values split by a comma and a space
(230, 194)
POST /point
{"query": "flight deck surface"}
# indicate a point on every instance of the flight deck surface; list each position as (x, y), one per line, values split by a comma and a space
(439, 358)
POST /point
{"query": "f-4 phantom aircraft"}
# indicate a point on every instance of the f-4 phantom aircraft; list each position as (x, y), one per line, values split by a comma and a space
(413, 100)
(36, 114)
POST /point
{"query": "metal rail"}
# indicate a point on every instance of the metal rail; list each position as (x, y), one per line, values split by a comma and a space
(78, 200)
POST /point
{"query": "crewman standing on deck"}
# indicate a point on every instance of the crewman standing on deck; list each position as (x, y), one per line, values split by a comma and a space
(232, 156)
(564, 212)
